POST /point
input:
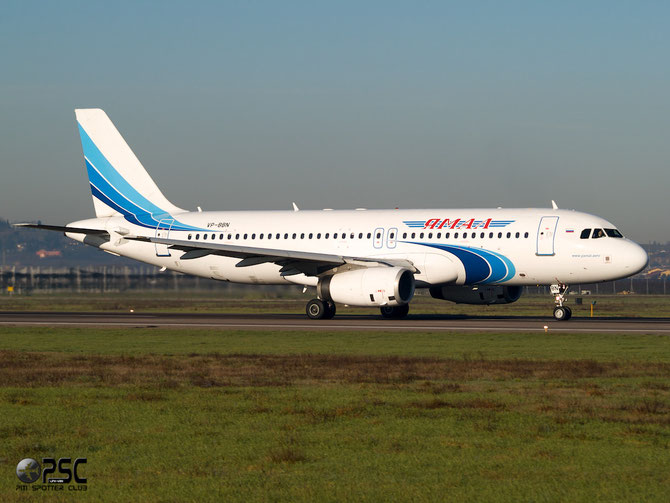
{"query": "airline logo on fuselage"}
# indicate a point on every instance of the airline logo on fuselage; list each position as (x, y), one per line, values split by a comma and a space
(456, 223)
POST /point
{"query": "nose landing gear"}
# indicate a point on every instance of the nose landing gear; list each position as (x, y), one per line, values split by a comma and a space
(561, 311)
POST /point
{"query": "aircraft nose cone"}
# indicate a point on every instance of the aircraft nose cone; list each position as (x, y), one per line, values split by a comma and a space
(637, 259)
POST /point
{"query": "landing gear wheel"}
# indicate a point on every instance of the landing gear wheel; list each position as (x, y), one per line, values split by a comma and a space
(562, 313)
(395, 312)
(330, 311)
(316, 309)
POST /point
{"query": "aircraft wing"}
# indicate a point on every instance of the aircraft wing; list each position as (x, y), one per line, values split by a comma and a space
(292, 261)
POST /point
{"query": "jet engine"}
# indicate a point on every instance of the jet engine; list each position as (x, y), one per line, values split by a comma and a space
(373, 286)
(494, 294)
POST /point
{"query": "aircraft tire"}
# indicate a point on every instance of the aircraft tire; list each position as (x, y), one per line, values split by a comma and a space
(330, 311)
(316, 309)
(561, 313)
(395, 312)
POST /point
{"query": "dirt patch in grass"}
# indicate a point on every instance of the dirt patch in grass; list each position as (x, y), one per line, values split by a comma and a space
(32, 369)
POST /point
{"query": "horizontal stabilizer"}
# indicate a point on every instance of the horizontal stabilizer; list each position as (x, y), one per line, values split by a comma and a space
(62, 228)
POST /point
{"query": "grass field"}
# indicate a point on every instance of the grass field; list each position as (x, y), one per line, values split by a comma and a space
(167, 415)
(246, 302)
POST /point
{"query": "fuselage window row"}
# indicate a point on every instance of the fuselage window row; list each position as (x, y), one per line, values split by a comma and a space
(585, 234)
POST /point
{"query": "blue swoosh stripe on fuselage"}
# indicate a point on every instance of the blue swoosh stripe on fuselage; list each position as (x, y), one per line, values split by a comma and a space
(481, 266)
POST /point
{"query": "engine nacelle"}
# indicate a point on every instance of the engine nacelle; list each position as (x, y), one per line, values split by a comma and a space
(373, 286)
(494, 294)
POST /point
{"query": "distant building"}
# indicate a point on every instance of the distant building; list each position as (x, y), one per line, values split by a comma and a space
(48, 253)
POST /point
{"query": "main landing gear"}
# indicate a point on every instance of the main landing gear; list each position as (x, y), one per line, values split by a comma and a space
(318, 309)
(395, 312)
(561, 311)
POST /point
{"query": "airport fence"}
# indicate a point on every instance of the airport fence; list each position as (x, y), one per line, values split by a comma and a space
(26, 280)
(100, 279)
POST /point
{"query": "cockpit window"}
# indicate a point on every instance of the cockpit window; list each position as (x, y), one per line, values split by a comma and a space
(613, 233)
(585, 234)
(598, 233)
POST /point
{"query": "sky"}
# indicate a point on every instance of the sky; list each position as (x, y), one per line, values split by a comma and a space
(379, 104)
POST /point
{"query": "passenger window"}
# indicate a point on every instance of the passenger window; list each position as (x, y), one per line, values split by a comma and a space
(482, 235)
(490, 235)
(439, 235)
(525, 234)
(420, 235)
(310, 235)
(189, 237)
(585, 234)
(335, 236)
(230, 236)
(474, 235)
(260, 237)
(598, 233)
(286, 235)
(517, 235)
(509, 235)
(352, 235)
(277, 236)
(204, 236)
(294, 235)
(499, 235)
(253, 236)
(221, 236)
(318, 236)
(392, 235)
(302, 235)
(360, 235)
(369, 235)
(380, 235)
(430, 235)
(237, 236)
(456, 235)
(446, 235)
(413, 235)
(326, 236)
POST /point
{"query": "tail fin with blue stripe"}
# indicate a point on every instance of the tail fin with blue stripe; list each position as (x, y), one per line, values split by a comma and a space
(119, 183)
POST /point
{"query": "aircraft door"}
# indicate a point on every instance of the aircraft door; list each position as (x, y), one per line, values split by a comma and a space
(391, 237)
(546, 234)
(163, 231)
(378, 237)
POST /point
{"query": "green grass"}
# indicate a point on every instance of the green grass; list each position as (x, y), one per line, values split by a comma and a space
(172, 415)
(292, 303)
(471, 345)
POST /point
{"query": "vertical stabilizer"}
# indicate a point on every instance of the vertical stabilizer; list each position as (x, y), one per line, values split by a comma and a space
(119, 183)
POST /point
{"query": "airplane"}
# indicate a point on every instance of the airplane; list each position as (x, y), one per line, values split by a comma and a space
(354, 257)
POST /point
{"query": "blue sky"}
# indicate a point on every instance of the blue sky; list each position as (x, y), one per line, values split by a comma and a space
(252, 105)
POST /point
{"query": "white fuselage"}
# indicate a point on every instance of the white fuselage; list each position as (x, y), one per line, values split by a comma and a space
(447, 246)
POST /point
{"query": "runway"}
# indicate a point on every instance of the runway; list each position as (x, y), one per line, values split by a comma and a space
(426, 323)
